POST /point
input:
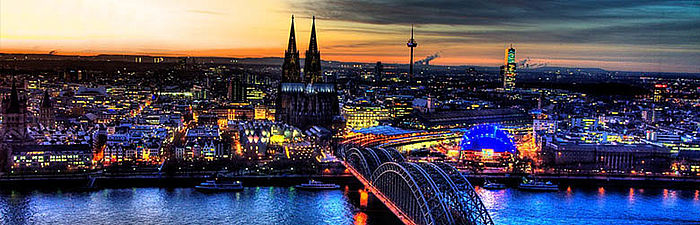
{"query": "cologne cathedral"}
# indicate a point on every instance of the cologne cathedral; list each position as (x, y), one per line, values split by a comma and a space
(308, 99)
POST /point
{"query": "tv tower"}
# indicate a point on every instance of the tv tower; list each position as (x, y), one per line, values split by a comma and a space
(411, 44)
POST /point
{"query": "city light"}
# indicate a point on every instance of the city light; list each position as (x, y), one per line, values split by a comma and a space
(314, 112)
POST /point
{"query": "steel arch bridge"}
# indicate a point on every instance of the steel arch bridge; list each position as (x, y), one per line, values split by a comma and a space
(419, 193)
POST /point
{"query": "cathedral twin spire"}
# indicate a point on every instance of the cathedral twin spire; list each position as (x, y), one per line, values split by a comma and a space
(291, 71)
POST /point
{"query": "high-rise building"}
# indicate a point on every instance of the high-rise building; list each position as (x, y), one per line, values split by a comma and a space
(508, 70)
(309, 101)
(411, 44)
(659, 90)
(237, 89)
(378, 71)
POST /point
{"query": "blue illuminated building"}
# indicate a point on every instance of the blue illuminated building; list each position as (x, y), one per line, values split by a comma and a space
(488, 137)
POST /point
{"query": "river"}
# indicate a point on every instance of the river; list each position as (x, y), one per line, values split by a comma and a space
(286, 205)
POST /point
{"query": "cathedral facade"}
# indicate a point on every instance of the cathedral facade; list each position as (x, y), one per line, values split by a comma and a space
(305, 100)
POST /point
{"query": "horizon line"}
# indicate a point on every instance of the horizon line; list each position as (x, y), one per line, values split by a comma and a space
(178, 55)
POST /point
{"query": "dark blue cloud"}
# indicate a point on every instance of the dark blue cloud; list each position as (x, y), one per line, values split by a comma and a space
(642, 22)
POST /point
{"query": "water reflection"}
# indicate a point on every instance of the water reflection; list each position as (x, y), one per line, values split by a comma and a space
(600, 205)
(175, 206)
(630, 197)
(15, 209)
(360, 218)
(279, 205)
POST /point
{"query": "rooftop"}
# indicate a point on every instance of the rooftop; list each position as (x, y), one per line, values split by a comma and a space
(385, 130)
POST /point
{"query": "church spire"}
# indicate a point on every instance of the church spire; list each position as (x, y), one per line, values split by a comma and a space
(46, 101)
(292, 45)
(312, 62)
(291, 70)
(313, 46)
(13, 105)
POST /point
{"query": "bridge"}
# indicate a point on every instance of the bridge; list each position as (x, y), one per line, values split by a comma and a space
(416, 192)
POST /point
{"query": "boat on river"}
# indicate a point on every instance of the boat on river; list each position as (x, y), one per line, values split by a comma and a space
(535, 185)
(493, 185)
(317, 185)
(219, 186)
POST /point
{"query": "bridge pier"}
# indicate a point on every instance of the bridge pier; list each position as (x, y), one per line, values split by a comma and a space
(364, 197)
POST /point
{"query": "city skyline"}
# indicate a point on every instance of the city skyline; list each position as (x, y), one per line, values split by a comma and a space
(132, 138)
(638, 36)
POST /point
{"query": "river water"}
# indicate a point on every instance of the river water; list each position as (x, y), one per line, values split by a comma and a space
(286, 205)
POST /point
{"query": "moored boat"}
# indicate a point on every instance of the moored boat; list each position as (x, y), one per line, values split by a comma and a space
(317, 185)
(534, 185)
(219, 186)
(492, 185)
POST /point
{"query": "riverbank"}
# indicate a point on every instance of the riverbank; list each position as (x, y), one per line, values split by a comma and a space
(582, 180)
(156, 180)
(75, 181)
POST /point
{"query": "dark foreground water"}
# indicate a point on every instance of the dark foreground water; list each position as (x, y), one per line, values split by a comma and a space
(286, 205)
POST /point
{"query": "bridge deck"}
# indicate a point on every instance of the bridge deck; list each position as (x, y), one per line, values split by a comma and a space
(388, 203)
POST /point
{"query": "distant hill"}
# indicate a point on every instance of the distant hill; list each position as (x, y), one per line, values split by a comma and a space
(279, 60)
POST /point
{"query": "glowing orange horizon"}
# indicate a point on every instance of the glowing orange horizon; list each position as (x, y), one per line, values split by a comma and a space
(250, 29)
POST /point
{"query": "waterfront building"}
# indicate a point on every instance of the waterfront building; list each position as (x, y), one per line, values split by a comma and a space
(205, 142)
(261, 138)
(605, 158)
(487, 143)
(52, 158)
(688, 162)
(305, 101)
(130, 142)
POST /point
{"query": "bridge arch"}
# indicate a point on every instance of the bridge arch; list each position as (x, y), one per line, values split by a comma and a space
(399, 186)
(382, 155)
(472, 206)
(461, 205)
(395, 155)
(428, 193)
(355, 158)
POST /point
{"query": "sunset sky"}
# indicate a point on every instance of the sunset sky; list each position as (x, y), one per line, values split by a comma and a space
(639, 35)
